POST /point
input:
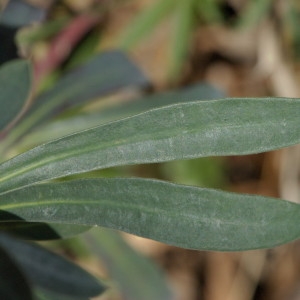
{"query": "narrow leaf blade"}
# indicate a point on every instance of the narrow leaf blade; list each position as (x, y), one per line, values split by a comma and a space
(183, 216)
(57, 129)
(180, 131)
(145, 22)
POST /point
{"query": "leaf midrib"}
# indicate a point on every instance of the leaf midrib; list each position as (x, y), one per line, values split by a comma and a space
(78, 152)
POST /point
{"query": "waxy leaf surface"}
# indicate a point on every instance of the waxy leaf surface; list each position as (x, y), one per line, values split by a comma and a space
(179, 131)
(183, 216)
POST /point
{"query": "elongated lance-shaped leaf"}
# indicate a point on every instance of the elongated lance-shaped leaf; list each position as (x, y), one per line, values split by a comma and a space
(50, 271)
(61, 127)
(136, 277)
(13, 284)
(180, 131)
(183, 216)
(15, 83)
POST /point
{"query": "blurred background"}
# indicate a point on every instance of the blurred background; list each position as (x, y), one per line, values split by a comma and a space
(226, 48)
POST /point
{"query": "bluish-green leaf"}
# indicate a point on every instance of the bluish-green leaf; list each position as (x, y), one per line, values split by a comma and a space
(13, 284)
(61, 127)
(180, 131)
(183, 216)
(104, 73)
(15, 83)
(50, 271)
(136, 277)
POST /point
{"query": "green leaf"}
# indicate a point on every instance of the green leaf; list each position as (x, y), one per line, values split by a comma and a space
(84, 50)
(50, 271)
(183, 27)
(145, 22)
(105, 73)
(136, 277)
(42, 32)
(41, 231)
(13, 284)
(180, 131)
(183, 216)
(15, 83)
(61, 127)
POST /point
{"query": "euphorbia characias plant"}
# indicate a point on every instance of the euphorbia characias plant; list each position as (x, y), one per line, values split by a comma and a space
(39, 200)
(35, 206)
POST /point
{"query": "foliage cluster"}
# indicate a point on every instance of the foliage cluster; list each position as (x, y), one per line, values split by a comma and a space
(40, 201)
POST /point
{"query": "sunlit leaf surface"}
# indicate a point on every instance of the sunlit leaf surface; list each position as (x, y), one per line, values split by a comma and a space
(64, 126)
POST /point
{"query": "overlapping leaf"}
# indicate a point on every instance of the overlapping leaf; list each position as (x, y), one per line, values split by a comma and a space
(61, 127)
(104, 73)
(180, 131)
(184, 216)
(143, 24)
